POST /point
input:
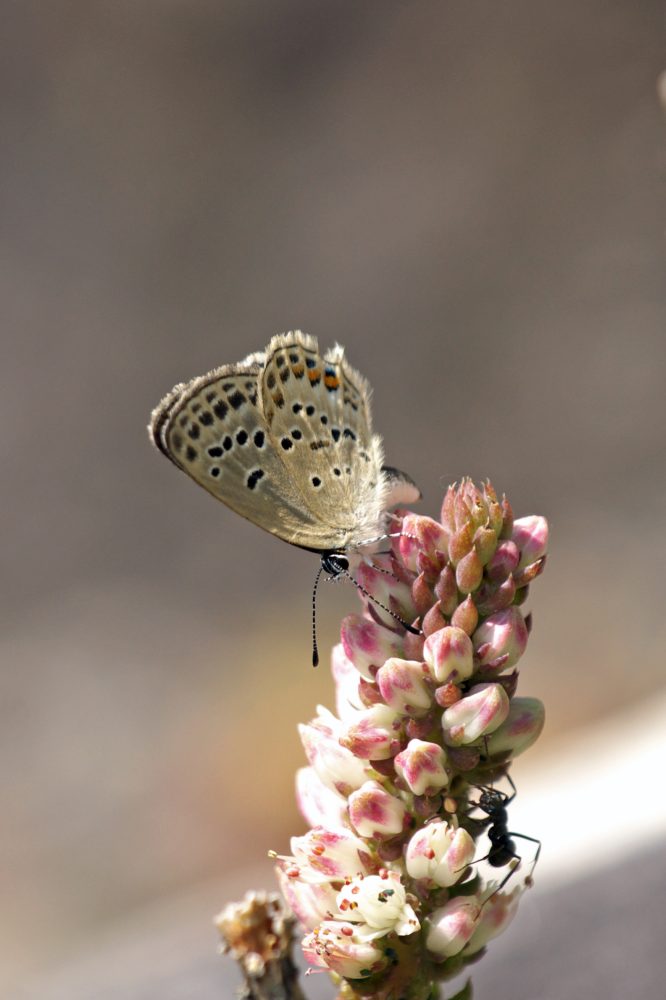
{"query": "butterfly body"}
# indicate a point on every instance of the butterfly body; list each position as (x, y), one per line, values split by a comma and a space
(285, 439)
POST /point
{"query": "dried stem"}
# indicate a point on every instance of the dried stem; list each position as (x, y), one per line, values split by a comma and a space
(258, 933)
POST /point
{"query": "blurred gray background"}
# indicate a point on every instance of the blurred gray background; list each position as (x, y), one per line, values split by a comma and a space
(469, 196)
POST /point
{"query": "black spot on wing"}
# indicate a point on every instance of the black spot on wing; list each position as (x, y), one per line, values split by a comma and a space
(254, 478)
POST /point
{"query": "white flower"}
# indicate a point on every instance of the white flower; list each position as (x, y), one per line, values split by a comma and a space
(335, 946)
(439, 852)
(336, 767)
(377, 905)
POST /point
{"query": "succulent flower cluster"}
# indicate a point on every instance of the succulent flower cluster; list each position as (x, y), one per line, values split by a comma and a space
(383, 882)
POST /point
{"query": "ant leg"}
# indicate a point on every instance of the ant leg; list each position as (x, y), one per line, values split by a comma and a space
(533, 840)
(512, 871)
(514, 790)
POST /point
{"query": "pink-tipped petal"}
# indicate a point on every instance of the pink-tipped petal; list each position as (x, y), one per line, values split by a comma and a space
(483, 709)
(439, 854)
(450, 927)
(449, 654)
(422, 766)
(368, 644)
(373, 734)
(404, 687)
(530, 534)
(501, 637)
(375, 813)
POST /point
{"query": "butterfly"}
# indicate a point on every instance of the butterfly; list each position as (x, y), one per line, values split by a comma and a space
(284, 438)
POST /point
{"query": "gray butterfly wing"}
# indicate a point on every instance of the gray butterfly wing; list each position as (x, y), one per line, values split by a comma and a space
(284, 438)
(317, 410)
(213, 429)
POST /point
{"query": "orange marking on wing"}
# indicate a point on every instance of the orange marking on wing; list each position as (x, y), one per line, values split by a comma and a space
(314, 375)
(331, 381)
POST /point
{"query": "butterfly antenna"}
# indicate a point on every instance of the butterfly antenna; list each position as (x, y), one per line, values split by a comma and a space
(359, 586)
(315, 649)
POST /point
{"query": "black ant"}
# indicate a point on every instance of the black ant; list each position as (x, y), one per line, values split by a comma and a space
(494, 804)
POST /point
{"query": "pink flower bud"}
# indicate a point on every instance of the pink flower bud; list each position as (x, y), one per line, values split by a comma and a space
(422, 594)
(531, 536)
(403, 686)
(501, 640)
(439, 853)
(466, 616)
(469, 572)
(446, 590)
(485, 543)
(368, 644)
(507, 519)
(433, 620)
(496, 916)
(375, 813)
(373, 734)
(449, 654)
(504, 561)
(493, 597)
(420, 535)
(461, 543)
(447, 695)
(336, 766)
(318, 805)
(335, 946)
(480, 712)
(520, 729)
(422, 767)
(329, 855)
(450, 927)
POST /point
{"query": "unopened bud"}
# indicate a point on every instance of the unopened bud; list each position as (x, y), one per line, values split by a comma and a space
(449, 654)
(501, 637)
(421, 765)
(403, 686)
(520, 729)
(469, 572)
(376, 813)
(531, 536)
(466, 616)
(373, 734)
(479, 713)
(449, 928)
(439, 853)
